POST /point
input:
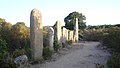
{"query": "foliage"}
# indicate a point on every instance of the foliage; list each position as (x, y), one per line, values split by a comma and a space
(69, 42)
(3, 49)
(12, 38)
(110, 37)
(47, 52)
(19, 36)
(5, 61)
(16, 36)
(45, 37)
(101, 26)
(111, 40)
(5, 32)
(2, 20)
(69, 20)
(92, 35)
(101, 66)
(114, 61)
(56, 45)
(117, 25)
(18, 52)
(38, 61)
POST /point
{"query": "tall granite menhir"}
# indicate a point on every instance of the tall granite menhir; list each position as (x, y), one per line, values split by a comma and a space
(76, 30)
(58, 32)
(64, 35)
(36, 34)
(51, 37)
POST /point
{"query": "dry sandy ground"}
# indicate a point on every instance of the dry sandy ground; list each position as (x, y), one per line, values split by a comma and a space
(81, 55)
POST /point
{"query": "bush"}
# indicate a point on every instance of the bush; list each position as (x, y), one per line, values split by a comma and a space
(109, 37)
(3, 49)
(5, 62)
(114, 61)
(47, 52)
(45, 36)
(92, 35)
(56, 45)
(112, 39)
(18, 52)
(69, 42)
(45, 39)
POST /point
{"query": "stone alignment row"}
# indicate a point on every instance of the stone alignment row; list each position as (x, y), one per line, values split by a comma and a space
(57, 32)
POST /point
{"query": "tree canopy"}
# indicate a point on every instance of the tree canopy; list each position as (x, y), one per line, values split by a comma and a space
(16, 36)
(69, 20)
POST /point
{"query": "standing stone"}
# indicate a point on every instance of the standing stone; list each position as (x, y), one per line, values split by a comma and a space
(64, 35)
(58, 32)
(51, 37)
(36, 34)
(70, 35)
(76, 30)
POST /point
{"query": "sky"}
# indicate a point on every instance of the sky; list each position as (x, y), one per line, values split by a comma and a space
(97, 12)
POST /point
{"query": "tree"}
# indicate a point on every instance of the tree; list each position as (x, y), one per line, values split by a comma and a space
(69, 20)
(2, 20)
(3, 49)
(19, 36)
(5, 31)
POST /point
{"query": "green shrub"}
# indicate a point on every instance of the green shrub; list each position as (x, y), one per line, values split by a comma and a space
(114, 61)
(45, 39)
(112, 39)
(56, 45)
(18, 52)
(37, 61)
(109, 37)
(3, 49)
(69, 42)
(92, 35)
(101, 66)
(47, 52)
(5, 62)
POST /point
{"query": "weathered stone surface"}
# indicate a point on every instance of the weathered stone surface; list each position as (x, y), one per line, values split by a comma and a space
(58, 32)
(21, 60)
(36, 34)
(70, 35)
(76, 30)
(64, 35)
(51, 37)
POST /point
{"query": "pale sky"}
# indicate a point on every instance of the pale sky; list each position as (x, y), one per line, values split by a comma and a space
(97, 12)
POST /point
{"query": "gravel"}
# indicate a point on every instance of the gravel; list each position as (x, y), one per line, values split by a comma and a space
(80, 55)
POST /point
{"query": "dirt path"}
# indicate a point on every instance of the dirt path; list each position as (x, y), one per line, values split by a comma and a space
(81, 55)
